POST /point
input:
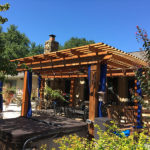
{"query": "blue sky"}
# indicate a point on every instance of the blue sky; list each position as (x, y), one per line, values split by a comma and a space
(110, 21)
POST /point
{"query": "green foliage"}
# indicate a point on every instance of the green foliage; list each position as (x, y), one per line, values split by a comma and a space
(16, 43)
(11, 90)
(107, 141)
(4, 8)
(43, 147)
(54, 94)
(35, 49)
(75, 42)
(142, 36)
(144, 75)
(13, 45)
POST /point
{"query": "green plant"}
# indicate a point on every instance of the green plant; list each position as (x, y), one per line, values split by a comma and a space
(107, 141)
(8, 94)
(143, 74)
(9, 91)
(54, 94)
(4, 7)
(43, 147)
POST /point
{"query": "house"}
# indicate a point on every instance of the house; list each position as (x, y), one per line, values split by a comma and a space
(16, 82)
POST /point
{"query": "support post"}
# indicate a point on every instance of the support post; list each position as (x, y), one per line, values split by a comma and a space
(42, 92)
(72, 91)
(25, 96)
(93, 98)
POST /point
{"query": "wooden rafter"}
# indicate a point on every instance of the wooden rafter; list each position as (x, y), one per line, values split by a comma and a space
(81, 56)
(71, 62)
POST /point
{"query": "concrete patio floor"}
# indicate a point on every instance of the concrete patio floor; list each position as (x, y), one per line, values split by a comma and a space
(10, 111)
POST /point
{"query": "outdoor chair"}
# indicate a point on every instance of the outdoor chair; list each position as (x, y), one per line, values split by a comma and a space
(123, 116)
(80, 111)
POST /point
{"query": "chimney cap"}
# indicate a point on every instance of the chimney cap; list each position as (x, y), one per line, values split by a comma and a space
(52, 35)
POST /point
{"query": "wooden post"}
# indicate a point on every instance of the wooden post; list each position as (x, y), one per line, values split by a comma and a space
(42, 92)
(93, 98)
(25, 96)
(72, 91)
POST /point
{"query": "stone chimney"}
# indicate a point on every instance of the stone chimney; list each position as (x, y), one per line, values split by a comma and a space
(51, 45)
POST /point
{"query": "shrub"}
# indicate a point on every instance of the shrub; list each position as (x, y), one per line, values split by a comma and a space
(108, 140)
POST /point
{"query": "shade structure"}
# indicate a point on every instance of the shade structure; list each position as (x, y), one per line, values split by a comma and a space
(75, 62)
(68, 63)
(1, 96)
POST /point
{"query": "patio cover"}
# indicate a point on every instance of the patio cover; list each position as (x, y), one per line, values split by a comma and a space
(74, 62)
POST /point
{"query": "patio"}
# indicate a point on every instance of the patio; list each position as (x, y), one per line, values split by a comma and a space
(96, 63)
(81, 62)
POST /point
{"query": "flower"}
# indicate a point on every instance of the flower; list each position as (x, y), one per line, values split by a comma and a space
(137, 27)
(145, 35)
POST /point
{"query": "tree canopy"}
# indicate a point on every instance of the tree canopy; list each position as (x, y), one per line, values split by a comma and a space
(13, 45)
(17, 44)
(75, 42)
(35, 49)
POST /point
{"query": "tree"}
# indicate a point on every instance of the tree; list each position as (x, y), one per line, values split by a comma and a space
(75, 42)
(6, 67)
(143, 74)
(35, 49)
(4, 8)
(16, 43)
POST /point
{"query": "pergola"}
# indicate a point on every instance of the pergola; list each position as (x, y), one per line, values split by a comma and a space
(73, 63)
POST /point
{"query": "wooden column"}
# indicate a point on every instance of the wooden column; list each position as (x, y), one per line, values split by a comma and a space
(93, 98)
(72, 91)
(42, 92)
(123, 89)
(25, 96)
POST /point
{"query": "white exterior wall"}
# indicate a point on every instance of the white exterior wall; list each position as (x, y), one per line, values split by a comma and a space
(19, 85)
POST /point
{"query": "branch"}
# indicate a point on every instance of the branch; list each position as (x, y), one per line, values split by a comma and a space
(4, 7)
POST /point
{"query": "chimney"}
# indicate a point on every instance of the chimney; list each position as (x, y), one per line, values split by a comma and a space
(51, 45)
(52, 37)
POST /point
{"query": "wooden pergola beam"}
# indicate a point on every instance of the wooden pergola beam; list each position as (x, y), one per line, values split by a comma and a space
(82, 56)
(67, 59)
(61, 70)
(120, 74)
(62, 55)
(88, 49)
(85, 75)
(65, 76)
(75, 62)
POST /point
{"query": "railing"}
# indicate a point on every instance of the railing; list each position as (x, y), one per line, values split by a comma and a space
(122, 114)
(128, 115)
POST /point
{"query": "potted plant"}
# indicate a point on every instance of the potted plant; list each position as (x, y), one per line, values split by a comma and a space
(54, 95)
(9, 94)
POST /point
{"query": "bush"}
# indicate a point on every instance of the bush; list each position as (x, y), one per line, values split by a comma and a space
(107, 141)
